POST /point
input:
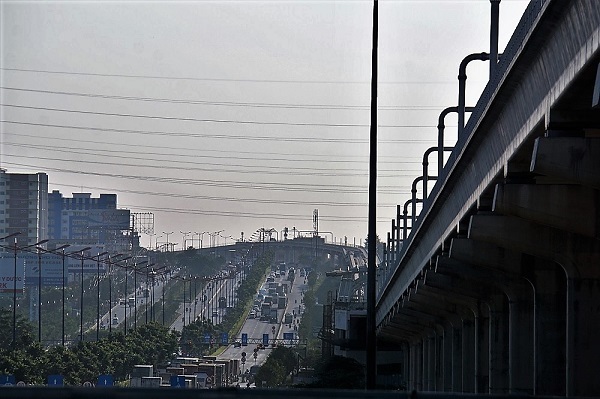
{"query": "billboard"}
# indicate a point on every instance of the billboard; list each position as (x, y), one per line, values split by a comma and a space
(73, 262)
(51, 266)
(110, 219)
(7, 274)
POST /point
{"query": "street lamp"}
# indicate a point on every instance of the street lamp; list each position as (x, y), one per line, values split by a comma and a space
(147, 290)
(167, 234)
(185, 234)
(135, 265)
(110, 293)
(62, 247)
(98, 291)
(81, 301)
(15, 283)
(14, 287)
(200, 237)
(184, 308)
(126, 298)
(39, 252)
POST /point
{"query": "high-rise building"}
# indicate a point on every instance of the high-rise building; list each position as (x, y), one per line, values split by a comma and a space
(87, 220)
(24, 206)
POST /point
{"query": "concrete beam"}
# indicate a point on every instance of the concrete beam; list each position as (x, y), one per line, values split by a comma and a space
(578, 255)
(572, 208)
(570, 158)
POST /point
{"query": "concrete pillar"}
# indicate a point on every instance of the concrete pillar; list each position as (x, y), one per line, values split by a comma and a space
(482, 359)
(521, 344)
(468, 355)
(439, 361)
(432, 364)
(584, 324)
(457, 359)
(419, 366)
(425, 363)
(550, 328)
(411, 386)
(499, 345)
(447, 359)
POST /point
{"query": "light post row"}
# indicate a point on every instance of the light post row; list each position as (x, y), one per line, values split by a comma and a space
(77, 254)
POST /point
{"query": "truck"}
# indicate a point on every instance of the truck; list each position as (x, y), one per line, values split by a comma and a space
(265, 310)
(288, 318)
(281, 301)
(273, 318)
(222, 302)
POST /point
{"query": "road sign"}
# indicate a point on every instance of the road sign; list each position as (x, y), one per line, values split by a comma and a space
(105, 380)
(265, 339)
(207, 338)
(224, 338)
(244, 339)
(177, 381)
(7, 379)
(288, 335)
(55, 380)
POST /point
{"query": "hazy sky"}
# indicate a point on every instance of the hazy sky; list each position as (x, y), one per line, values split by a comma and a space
(238, 115)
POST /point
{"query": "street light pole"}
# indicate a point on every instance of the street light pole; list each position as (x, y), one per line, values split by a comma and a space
(135, 265)
(14, 338)
(39, 252)
(81, 301)
(167, 234)
(63, 290)
(98, 291)
(184, 308)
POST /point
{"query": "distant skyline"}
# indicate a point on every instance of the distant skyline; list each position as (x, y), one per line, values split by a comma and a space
(235, 116)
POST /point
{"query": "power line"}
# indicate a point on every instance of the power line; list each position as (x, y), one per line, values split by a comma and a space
(305, 156)
(311, 171)
(216, 79)
(230, 199)
(219, 136)
(229, 103)
(250, 215)
(291, 187)
(112, 154)
(208, 120)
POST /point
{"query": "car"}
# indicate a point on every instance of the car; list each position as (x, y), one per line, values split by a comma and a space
(215, 314)
(252, 314)
(237, 344)
(115, 320)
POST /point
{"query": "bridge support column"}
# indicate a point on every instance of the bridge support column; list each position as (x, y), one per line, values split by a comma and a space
(499, 343)
(482, 349)
(457, 365)
(505, 266)
(468, 355)
(550, 327)
(447, 359)
(521, 346)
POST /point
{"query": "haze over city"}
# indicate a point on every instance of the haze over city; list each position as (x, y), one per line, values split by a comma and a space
(234, 116)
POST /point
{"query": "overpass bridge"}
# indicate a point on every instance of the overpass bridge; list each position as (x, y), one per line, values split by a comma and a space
(300, 250)
(495, 287)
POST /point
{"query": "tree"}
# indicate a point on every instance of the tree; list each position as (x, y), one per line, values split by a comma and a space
(273, 372)
(193, 341)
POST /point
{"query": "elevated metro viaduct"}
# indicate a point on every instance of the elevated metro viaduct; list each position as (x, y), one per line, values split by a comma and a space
(497, 288)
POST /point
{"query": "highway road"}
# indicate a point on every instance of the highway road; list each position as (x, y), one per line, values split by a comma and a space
(256, 328)
(123, 304)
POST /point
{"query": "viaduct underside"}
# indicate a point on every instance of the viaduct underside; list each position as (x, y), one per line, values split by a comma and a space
(497, 289)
